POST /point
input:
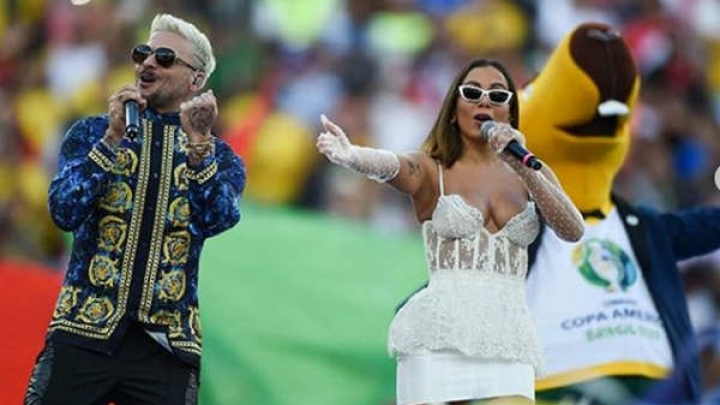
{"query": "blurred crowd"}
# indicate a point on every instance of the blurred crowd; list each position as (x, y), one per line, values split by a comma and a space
(379, 68)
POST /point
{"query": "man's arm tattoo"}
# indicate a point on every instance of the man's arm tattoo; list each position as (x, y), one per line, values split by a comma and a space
(201, 118)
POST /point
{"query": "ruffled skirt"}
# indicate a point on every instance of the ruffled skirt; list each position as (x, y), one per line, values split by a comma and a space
(479, 315)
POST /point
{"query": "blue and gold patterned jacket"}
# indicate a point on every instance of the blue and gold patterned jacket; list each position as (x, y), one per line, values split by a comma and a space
(139, 216)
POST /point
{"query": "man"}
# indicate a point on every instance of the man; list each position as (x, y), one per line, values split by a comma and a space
(126, 325)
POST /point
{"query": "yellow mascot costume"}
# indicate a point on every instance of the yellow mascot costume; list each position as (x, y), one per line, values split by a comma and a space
(610, 308)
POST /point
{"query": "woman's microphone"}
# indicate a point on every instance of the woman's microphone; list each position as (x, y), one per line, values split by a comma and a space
(513, 147)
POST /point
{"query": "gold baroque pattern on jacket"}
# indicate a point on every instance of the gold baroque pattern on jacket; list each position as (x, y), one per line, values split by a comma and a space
(112, 232)
(157, 240)
(67, 300)
(176, 248)
(118, 198)
(182, 141)
(179, 213)
(96, 310)
(172, 285)
(188, 346)
(205, 175)
(194, 321)
(180, 177)
(126, 162)
(172, 320)
(103, 161)
(103, 271)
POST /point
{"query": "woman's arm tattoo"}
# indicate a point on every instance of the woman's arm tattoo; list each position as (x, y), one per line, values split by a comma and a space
(414, 168)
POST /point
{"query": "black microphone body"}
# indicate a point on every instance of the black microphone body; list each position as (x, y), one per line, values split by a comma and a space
(132, 119)
(513, 147)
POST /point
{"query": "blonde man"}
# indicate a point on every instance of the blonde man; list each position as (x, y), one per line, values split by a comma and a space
(141, 188)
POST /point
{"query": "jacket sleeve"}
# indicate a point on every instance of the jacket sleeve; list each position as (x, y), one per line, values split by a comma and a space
(84, 165)
(692, 232)
(215, 189)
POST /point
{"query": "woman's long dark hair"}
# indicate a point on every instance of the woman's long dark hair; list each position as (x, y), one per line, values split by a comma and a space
(444, 143)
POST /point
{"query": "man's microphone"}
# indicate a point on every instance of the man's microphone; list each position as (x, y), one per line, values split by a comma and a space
(513, 147)
(132, 119)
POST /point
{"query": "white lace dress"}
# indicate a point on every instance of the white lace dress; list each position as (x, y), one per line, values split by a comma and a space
(469, 334)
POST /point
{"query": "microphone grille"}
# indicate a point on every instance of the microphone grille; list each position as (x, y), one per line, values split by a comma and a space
(486, 127)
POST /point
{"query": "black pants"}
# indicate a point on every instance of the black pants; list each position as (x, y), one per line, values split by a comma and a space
(141, 373)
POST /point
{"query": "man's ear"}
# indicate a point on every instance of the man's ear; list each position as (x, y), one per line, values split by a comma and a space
(198, 80)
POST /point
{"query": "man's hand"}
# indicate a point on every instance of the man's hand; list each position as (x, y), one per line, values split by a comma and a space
(197, 116)
(116, 112)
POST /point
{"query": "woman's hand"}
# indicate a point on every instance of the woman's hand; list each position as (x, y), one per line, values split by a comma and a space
(501, 134)
(334, 144)
(379, 165)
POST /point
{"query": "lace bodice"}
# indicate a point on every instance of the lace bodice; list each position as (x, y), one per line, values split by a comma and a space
(475, 300)
(456, 238)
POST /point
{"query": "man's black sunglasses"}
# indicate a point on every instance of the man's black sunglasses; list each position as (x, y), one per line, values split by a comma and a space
(165, 57)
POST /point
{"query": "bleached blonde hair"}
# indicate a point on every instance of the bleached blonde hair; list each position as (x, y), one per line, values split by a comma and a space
(201, 48)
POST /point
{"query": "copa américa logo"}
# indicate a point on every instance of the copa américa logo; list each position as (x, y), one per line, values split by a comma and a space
(604, 264)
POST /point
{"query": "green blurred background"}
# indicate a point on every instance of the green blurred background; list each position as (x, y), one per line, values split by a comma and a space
(296, 309)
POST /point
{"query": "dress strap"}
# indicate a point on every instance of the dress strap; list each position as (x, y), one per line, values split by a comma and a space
(442, 185)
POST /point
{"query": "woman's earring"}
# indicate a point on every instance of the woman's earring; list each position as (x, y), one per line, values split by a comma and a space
(453, 120)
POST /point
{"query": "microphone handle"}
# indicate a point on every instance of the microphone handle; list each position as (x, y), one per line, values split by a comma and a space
(513, 148)
(132, 119)
(525, 156)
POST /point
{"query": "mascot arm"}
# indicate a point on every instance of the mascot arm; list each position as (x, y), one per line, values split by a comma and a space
(692, 232)
(559, 212)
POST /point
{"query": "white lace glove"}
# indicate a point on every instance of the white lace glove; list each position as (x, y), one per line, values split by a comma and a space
(557, 209)
(377, 164)
(500, 135)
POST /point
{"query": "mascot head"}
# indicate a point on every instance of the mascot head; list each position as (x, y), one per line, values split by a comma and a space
(575, 112)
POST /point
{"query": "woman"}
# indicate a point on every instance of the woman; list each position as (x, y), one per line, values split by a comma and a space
(468, 335)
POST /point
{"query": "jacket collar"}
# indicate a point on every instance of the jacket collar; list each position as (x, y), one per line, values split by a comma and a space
(151, 115)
